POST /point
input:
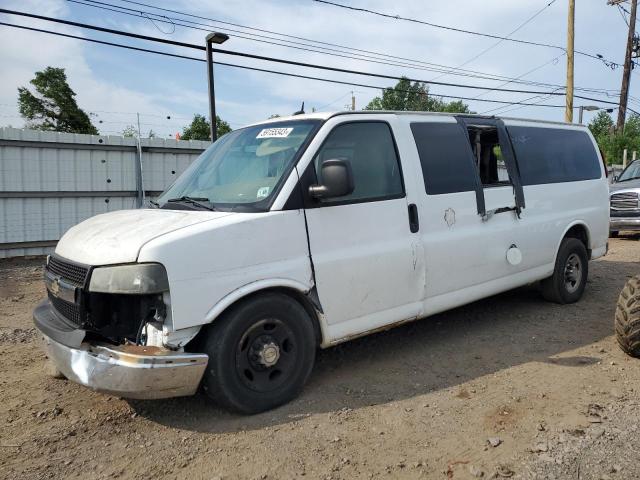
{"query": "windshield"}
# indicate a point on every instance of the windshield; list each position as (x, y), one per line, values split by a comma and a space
(243, 168)
(631, 172)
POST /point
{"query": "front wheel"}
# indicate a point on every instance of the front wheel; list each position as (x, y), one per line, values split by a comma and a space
(569, 278)
(261, 353)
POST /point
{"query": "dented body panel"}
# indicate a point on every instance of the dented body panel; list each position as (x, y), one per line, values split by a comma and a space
(129, 371)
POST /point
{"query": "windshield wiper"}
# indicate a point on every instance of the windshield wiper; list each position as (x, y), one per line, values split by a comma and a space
(155, 204)
(197, 201)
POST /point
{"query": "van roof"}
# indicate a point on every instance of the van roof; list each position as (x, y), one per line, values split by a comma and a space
(327, 115)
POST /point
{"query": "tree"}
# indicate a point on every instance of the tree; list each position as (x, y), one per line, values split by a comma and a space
(601, 125)
(130, 131)
(407, 96)
(611, 143)
(200, 128)
(53, 106)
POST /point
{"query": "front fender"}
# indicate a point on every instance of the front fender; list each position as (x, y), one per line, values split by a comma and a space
(253, 287)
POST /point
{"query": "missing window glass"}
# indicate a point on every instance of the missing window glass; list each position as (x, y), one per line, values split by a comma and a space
(488, 155)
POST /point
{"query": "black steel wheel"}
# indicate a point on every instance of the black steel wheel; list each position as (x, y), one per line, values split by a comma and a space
(261, 353)
(266, 355)
(569, 278)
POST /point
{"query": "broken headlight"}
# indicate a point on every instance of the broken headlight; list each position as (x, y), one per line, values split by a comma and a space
(140, 278)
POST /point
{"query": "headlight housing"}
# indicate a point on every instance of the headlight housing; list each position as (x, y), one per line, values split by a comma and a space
(134, 279)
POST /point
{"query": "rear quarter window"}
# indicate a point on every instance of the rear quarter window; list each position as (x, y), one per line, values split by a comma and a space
(550, 155)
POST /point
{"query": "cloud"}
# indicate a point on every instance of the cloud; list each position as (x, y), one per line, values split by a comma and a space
(112, 80)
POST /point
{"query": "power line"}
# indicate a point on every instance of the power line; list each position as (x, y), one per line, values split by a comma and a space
(502, 107)
(270, 59)
(499, 77)
(417, 64)
(553, 60)
(295, 45)
(376, 87)
(262, 38)
(460, 30)
(492, 46)
(307, 77)
(335, 101)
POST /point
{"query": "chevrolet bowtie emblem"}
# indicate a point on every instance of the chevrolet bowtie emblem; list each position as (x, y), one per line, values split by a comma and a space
(55, 286)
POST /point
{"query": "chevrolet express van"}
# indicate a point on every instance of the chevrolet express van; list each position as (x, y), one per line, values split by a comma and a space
(307, 231)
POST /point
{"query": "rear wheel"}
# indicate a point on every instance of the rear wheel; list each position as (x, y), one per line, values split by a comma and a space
(569, 278)
(261, 353)
(614, 234)
(627, 321)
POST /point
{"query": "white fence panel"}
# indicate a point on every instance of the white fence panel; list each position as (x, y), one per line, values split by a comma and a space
(50, 181)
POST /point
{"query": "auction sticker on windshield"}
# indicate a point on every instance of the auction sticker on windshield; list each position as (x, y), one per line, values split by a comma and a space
(275, 132)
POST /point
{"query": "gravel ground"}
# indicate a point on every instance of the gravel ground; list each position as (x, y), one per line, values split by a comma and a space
(508, 387)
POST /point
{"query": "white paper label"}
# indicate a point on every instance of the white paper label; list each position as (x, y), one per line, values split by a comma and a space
(275, 132)
(263, 192)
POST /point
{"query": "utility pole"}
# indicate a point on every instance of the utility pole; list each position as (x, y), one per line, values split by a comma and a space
(568, 113)
(626, 75)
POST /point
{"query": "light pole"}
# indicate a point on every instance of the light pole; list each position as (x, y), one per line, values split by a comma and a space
(216, 38)
(590, 108)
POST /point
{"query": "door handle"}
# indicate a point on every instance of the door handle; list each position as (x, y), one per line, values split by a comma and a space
(414, 221)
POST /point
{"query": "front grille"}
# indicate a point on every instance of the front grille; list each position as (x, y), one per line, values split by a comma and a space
(625, 201)
(72, 273)
(70, 311)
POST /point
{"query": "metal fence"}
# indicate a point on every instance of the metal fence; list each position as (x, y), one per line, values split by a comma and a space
(50, 181)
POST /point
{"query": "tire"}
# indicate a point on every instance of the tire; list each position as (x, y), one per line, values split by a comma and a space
(614, 234)
(261, 353)
(569, 278)
(627, 320)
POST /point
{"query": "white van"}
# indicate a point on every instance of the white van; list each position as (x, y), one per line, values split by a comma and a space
(311, 230)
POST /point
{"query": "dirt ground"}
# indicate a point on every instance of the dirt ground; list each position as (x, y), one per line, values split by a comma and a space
(508, 387)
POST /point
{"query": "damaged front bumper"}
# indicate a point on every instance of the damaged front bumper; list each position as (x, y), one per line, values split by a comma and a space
(129, 371)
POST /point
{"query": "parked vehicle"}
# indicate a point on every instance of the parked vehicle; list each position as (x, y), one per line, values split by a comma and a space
(625, 200)
(309, 231)
(627, 320)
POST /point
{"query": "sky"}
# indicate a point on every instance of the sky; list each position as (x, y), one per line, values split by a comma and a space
(114, 84)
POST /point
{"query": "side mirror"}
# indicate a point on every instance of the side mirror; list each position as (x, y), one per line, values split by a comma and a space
(337, 179)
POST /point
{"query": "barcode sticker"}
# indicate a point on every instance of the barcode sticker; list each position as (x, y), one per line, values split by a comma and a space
(275, 132)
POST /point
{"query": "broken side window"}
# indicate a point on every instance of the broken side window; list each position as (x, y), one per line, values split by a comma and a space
(488, 156)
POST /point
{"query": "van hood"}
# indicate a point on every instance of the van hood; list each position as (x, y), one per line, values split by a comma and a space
(117, 237)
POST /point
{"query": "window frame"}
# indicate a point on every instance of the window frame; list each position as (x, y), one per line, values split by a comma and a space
(504, 183)
(309, 177)
(508, 152)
